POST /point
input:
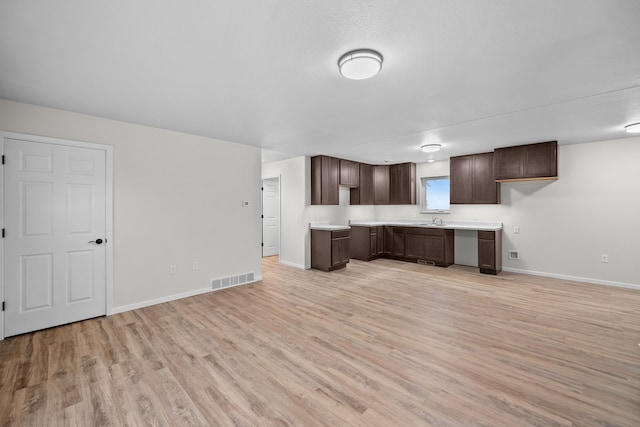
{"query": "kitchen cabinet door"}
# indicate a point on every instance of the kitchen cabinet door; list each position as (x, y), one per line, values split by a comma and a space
(485, 188)
(388, 240)
(380, 241)
(363, 195)
(490, 251)
(381, 185)
(414, 244)
(349, 173)
(434, 248)
(325, 173)
(541, 160)
(339, 251)
(461, 180)
(373, 243)
(402, 184)
(397, 248)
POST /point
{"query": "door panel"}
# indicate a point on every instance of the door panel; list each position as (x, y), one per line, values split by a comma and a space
(36, 284)
(55, 204)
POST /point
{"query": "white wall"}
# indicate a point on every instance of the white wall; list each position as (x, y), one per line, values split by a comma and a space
(565, 225)
(177, 199)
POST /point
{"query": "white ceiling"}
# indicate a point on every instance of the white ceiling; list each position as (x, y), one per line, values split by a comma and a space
(471, 75)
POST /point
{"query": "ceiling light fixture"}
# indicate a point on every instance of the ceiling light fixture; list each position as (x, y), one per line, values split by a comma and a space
(360, 64)
(633, 128)
(431, 148)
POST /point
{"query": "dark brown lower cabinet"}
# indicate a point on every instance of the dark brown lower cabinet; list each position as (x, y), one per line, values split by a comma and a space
(388, 240)
(365, 244)
(490, 251)
(433, 245)
(397, 244)
(420, 244)
(329, 249)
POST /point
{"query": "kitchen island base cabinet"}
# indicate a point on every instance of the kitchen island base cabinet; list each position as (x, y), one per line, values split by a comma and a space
(329, 249)
(490, 251)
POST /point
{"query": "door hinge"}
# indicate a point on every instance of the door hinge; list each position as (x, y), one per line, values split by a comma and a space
(3, 159)
(262, 216)
(2, 305)
(3, 233)
(262, 244)
(261, 188)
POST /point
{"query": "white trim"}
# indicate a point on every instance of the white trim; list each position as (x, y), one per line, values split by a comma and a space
(161, 300)
(2, 244)
(573, 278)
(291, 264)
(108, 149)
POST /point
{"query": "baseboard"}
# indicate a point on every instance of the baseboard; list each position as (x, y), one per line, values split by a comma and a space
(291, 264)
(174, 297)
(574, 278)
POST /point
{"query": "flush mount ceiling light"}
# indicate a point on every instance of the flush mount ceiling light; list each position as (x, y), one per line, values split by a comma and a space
(360, 64)
(431, 148)
(633, 128)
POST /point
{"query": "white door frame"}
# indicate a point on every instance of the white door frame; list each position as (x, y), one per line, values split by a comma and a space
(279, 178)
(109, 209)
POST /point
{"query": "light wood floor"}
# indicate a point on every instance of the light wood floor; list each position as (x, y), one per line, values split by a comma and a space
(383, 343)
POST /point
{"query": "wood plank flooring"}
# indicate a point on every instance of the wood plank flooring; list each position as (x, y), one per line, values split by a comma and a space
(383, 343)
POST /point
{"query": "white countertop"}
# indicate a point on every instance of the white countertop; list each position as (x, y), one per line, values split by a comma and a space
(324, 225)
(452, 225)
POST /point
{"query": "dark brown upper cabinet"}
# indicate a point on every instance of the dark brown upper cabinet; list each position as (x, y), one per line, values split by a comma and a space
(527, 162)
(381, 185)
(363, 195)
(472, 180)
(349, 173)
(370, 185)
(402, 184)
(325, 172)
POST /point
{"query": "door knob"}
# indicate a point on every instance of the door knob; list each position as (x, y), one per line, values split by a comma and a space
(97, 241)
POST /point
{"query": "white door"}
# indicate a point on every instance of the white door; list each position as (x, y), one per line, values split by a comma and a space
(55, 232)
(271, 217)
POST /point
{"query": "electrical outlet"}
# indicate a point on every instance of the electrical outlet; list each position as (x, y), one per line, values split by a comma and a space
(516, 229)
(604, 258)
(195, 266)
(173, 269)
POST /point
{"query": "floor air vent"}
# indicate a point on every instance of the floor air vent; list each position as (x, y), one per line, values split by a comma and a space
(514, 255)
(226, 282)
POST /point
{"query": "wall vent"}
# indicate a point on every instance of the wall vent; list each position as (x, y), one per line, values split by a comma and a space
(226, 282)
(514, 254)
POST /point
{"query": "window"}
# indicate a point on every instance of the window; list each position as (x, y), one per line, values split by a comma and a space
(435, 194)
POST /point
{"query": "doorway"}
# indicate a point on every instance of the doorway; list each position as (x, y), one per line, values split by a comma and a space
(270, 217)
(57, 224)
